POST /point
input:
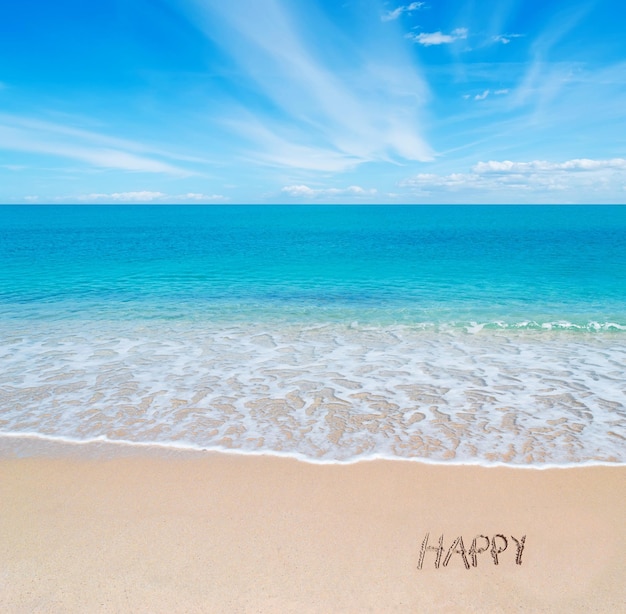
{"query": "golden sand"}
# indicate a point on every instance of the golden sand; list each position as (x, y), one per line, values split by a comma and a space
(228, 533)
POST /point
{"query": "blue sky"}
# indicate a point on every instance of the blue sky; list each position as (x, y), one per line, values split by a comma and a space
(312, 101)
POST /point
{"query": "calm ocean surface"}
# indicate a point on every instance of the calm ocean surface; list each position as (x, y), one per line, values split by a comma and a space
(475, 334)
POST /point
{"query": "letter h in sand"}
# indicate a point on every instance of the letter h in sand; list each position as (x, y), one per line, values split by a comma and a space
(438, 549)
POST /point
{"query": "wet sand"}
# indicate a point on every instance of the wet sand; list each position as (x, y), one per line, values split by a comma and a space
(228, 533)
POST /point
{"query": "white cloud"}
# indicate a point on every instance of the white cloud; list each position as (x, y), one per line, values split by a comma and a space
(31, 199)
(146, 196)
(298, 190)
(487, 93)
(575, 179)
(407, 8)
(199, 197)
(438, 38)
(303, 191)
(541, 166)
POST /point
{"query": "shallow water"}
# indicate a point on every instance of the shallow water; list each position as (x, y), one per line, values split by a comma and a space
(476, 334)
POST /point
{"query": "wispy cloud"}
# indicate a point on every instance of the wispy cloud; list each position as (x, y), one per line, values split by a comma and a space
(486, 93)
(273, 149)
(407, 8)
(25, 134)
(324, 107)
(505, 39)
(428, 39)
(544, 79)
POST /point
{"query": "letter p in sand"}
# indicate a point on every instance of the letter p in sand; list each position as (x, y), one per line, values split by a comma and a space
(495, 549)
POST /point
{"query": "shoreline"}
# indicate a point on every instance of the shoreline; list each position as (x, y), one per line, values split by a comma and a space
(216, 532)
(18, 445)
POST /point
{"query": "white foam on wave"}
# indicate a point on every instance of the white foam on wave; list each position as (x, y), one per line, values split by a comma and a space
(322, 393)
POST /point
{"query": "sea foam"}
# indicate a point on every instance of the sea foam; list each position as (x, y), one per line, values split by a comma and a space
(325, 392)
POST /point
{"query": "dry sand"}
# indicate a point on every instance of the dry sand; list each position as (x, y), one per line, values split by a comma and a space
(227, 533)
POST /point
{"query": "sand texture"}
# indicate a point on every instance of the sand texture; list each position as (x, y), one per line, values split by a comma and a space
(228, 533)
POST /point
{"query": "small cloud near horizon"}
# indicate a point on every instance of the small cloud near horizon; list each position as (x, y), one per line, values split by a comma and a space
(303, 191)
(146, 196)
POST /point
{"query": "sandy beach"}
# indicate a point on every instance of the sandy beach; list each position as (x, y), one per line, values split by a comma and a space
(229, 533)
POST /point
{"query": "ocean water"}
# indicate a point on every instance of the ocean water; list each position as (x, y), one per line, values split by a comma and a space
(468, 334)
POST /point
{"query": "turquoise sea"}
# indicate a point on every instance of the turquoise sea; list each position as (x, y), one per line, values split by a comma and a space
(473, 334)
